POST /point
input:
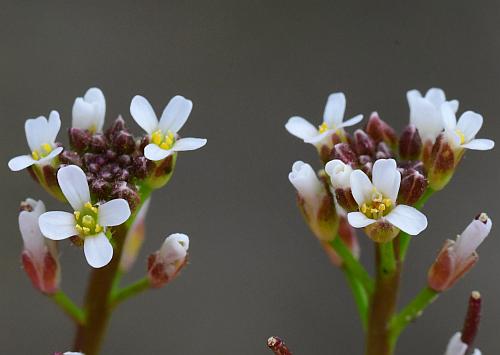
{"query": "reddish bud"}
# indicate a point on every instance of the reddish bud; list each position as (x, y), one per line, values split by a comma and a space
(380, 131)
(441, 164)
(98, 143)
(343, 152)
(166, 263)
(413, 186)
(278, 346)
(363, 143)
(124, 142)
(79, 139)
(410, 143)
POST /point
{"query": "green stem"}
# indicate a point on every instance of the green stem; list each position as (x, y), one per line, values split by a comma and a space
(69, 307)
(412, 311)
(352, 264)
(129, 291)
(387, 258)
(361, 297)
(404, 238)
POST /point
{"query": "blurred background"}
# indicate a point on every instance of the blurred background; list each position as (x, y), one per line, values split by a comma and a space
(255, 269)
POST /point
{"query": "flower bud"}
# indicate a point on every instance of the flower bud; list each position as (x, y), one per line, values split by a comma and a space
(122, 189)
(380, 131)
(39, 256)
(350, 239)
(79, 139)
(98, 143)
(69, 157)
(383, 151)
(410, 143)
(124, 142)
(413, 186)
(315, 201)
(134, 238)
(343, 152)
(363, 143)
(459, 256)
(442, 163)
(117, 126)
(340, 174)
(166, 263)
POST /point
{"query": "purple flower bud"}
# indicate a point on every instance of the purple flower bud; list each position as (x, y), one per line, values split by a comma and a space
(70, 157)
(363, 143)
(117, 126)
(100, 187)
(413, 186)
(142, 167)
(343, 152)
(122, 189)
(345, 199)
(124, 142)
(79, 139)
(383, 151)
(110, 155)
(410, 143)
(98, 143)
(381, 131)
(124, 160)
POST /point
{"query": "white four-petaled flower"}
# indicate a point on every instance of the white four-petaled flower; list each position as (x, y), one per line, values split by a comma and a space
(89, 222)
(41, 135)
(340, 173)
(333, 121)
(457, 347)
(425, 112)
(462, 133)
(163, 133)
(377, 200)
(89, 111)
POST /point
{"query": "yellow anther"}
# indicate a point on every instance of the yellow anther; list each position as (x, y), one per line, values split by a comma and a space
(86, 230)
(94, 209)
(364, 208)
(98, 228)
(323, 128)
(157, 137)
(387, 202)
(461, 135)
(88, 205)
(373, 210)
(381, 207)
(47, 147)
(165, 146)
(376, 196)
(79, 228)
(35, 155)
(77, 214)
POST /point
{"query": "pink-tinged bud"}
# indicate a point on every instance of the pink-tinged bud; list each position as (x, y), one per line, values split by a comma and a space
(340, 174)
(459, 256)
(123, 142)
(79, 139)
(410, 143)
(383, 151)
(39, 256)
(98, 143)
(69, 157)
(278, 346)
(472, 319)
(363, 143)
(315, 201)
(380, 131)
(343, 152)
(350, 239)
(413, 186)
(134, 238)
(441, 165)
(166, 263)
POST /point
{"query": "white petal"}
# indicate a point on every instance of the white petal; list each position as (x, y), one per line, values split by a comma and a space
(155, 153)
(96, 97)
(471, 238)
(98, 250)
(114, 212)
(175, 114)
(436, 96)
(174, 248)
(48, 158)
(386, 178)
(454, 105)
(479, 144)
(54, 125)
(185, 144)
(30, 230)
(74, 186)
(476, 352)
(319, 137)
(57, 225)
(408, 219)
(456, 346)
(351, 121)
(339, 173)
(36, 132)
(359, 220)
(411, 95)
(426, 118)
(21, 162)
(300, 127)
(449, 119)
(304, 179)
(361, 187)
(334, 109)
(143, 114)
(469, 124)
(84, 115)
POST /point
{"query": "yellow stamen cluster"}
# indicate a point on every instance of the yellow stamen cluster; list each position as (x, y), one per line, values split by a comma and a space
(461, 135)
(323, 127)
(164, 141)
(44, 150)
(86, 220)
(378, 207)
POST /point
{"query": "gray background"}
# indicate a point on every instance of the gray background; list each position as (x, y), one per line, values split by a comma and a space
(255, 268)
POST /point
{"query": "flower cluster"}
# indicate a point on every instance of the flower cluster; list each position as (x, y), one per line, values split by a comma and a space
(105, 175)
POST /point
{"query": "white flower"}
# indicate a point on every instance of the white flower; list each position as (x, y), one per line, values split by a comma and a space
(425, 112)
(89, 222)
(462, 134)
(332, 121)
(307, 184)
(41, 135)
(89, 111)
(173, 252)
(377, 200)
(340, 173)
(457, 347)
(163, 133)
